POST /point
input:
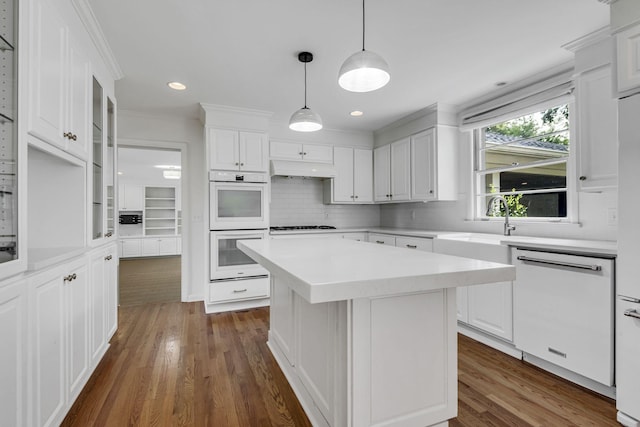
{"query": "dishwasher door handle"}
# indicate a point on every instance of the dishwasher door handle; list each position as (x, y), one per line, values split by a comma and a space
(632, 313)
(591, 267)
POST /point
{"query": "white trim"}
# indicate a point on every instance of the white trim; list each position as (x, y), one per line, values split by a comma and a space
(88, 18)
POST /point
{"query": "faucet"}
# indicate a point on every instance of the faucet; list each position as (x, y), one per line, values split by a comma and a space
(507, 227)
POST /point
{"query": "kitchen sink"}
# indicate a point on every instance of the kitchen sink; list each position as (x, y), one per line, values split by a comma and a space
(489, 239)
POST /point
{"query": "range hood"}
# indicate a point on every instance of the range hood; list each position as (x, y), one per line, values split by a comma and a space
(306, 169)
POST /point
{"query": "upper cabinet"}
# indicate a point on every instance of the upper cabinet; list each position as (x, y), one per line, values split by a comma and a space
(354, 180)
(9, 150)
(597, 130)
(59, 83)
(392, 171)
(237, 150)
(433, 160)
(628, 57)
(298, 151)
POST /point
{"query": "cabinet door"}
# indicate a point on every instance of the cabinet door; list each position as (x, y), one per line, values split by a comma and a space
(491, 308)
(343, 182)
(628, 55)
(97, 306)
(285, 150)
(78, 103)
(111, 283)
(76, 286)
(382, 173)
(317, 153)
(47, 347)
(167, 246)
(597, 131)
(13, 319)
(132, 198)
(253, 151)
(281, 319)
(224, 152)
(131, 247)
(150, 247)
(47, 74)
(362, 175)
(423, 166)
(401, 170)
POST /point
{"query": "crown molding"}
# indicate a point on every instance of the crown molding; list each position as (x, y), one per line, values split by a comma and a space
(88, 18)
(588, 39)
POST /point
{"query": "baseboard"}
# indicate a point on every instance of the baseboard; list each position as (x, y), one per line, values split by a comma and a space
(491, 341)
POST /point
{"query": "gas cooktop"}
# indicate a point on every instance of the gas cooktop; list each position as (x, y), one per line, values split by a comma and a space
(302, 227)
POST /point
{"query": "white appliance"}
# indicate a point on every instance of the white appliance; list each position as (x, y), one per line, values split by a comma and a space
(238, 200)
(230, 263)
(628, 268)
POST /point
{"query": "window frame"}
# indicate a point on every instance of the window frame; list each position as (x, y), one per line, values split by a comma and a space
(478, 193)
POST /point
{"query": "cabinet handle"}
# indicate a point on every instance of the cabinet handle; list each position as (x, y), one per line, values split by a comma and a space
(108, 258)
(380, 242)
(66, 135)
(73, 137)
(583, 178)
(557, 352)
(301, 153)
(239, 291)
(67, 278)
(109, 234)
(592, 267)
(632, 313)
(412, 246)
(73, 276)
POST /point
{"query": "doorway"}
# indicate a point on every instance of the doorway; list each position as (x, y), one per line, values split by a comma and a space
(150, 224)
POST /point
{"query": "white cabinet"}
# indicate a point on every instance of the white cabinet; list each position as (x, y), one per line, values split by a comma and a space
(13, 357)
(597, 125)
(354, 179)
(131, 197)
(159, 211)
(237, 150)
(130, 248)
(111, 280)
(392, 173)
(97, 307)
(58, 83)
(418, 243)
(281, 318)
(489, 307)
(298, 151)
(357, 236)
(628, 57)
(159, 246)
(563, 311)
(434, 164)
(382, 239)
(76, 284)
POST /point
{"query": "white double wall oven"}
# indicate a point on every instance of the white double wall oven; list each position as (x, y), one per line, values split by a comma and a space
(239, 210)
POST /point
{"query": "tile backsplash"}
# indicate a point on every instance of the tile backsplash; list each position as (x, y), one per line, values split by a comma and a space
(299, 201)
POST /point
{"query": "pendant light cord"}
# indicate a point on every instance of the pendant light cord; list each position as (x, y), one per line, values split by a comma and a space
(305, 85)
(363, 25)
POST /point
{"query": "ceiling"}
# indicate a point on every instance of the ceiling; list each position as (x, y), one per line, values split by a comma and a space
(243, 53)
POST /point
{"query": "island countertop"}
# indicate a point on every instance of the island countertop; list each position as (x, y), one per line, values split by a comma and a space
(324, 270)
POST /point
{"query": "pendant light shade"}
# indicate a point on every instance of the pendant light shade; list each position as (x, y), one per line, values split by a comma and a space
(364, 71)
(305, 120)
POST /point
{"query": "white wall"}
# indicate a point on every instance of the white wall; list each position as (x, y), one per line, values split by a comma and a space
(299, 201)
(169, 132)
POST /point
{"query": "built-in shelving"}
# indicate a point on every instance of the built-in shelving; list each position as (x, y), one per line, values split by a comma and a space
(160, 211)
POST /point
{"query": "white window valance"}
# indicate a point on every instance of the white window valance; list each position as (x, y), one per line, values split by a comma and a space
(554, 90)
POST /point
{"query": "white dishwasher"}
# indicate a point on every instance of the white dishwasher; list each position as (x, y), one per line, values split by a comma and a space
(564, 311)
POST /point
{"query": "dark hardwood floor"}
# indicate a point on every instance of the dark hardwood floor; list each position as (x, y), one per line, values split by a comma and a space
(171, 364)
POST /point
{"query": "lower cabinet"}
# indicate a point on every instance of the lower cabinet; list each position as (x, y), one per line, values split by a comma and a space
(13, 357)
(71, 310)
(150, 246)
(382, 239)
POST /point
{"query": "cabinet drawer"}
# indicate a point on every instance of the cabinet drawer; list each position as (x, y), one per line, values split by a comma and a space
(382, 239)
(415, 243)
(360, 237)
(238, 290)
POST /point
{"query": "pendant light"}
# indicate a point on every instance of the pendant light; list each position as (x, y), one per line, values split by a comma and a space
(364, 71)
(305, 120)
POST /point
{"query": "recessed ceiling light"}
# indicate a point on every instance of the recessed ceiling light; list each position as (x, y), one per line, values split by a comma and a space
(501, 84)
(176, 85)
(119, 173)
(356, 113)
(172, 167)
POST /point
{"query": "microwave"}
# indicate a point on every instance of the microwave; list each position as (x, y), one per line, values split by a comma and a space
(130, 219)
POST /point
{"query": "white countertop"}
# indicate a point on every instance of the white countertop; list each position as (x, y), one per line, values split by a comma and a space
(323, 270)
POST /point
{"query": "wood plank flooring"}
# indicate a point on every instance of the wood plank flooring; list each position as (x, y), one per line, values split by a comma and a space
(173, 365)
(146, 280)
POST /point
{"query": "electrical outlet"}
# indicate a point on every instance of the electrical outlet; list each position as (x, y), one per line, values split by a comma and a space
(612, 216)
(413, 214)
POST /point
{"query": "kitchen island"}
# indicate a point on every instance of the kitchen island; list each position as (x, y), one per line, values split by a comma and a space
(364, 333)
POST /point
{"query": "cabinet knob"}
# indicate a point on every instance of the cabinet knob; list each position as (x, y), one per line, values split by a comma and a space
(356, 197)
(108, 258)
(241, 164)
(109, 234)
(73, 276)
(236, 163)
(73, 137)
(304, 154)
(301, 153)
(430, 191)
(583, 178)
(67, 135)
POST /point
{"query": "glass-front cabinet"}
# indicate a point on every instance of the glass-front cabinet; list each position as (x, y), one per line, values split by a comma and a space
(9, 132)
(103, 164)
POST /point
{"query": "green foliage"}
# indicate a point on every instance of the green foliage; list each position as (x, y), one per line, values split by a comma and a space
(549, 121)
(516, 208)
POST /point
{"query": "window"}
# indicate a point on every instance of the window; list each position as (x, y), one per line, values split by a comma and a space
(524, 160)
